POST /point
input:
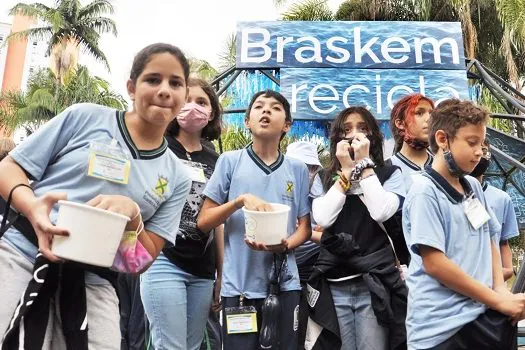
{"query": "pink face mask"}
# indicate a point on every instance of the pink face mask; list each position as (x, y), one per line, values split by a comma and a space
(193, 118)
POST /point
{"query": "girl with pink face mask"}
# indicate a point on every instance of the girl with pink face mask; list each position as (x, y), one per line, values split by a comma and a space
(177, 290)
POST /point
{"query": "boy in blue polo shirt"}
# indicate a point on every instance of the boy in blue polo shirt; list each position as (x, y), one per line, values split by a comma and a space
(457, 300)
(253, 177)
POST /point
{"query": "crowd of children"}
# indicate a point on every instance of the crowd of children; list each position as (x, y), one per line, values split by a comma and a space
(337, 281)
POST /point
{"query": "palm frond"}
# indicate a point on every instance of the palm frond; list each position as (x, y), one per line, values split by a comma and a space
(36, 10)
(37, 34)
(512, 15)
(308, 10)
(99, 25)
(228, 55)
(96, 8)
(92, 49)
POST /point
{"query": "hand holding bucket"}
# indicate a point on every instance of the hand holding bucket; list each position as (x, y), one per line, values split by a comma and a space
(267, 230)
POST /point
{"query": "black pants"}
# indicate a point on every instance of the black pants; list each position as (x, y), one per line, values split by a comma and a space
(303, 316)
(250, 341)
(132, 317)
(490, 331)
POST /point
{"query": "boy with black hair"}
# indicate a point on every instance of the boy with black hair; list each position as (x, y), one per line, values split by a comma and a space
(253, 177)
(456, 299)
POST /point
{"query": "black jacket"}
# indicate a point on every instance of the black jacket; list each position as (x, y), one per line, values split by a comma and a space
(388, 293)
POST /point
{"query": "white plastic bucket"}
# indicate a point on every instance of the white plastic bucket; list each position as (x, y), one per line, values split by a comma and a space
(268, 227)
(94, 234)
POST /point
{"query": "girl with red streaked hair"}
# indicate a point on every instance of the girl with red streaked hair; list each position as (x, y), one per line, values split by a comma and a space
(409, 125)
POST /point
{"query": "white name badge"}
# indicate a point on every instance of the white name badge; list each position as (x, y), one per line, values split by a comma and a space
(195, 171)
(109, 162)
(476, 213)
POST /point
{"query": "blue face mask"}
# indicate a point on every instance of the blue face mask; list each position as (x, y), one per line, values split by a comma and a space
(453, 167)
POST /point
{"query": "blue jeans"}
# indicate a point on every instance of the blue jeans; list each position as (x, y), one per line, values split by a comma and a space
(177, 305)
(357, 322)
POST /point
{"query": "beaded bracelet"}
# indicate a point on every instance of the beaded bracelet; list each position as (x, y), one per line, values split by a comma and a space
(342, 181)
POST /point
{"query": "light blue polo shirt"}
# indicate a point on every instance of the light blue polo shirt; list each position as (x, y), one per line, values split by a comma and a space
(501, 204)
(409, 168)
(56, 158)
(433, 215)
(247, 271)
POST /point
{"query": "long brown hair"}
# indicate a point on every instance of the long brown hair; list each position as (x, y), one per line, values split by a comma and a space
(374, 135)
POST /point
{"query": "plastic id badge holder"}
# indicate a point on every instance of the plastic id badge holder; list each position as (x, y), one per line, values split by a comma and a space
(241, 319)
(109, 162)
(195, 171)
(475, 211)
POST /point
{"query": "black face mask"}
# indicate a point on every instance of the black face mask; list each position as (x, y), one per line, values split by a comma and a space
(351, 150)
(453, 167)
(481, 167)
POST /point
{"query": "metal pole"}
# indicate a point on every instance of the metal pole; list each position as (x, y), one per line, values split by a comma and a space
(222, 75)
(229, 82)
(508, 158)
(235, 110)
(507, 116)
(270, 76)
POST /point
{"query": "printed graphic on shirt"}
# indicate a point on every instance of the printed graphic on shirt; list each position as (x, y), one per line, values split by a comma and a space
(188, 223)
(158, 193)
(161, 186)
(288, 193)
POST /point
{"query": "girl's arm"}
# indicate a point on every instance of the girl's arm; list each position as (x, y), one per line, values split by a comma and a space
(381, 204)
(325, 209)
(36, 210)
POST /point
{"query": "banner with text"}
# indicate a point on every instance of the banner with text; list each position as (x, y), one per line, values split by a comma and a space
(327, 66)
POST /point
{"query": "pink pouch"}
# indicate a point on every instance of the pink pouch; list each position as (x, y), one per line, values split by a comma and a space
(131, 255)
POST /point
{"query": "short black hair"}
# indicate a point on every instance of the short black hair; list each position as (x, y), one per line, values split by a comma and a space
(143, 57)
(271, 93)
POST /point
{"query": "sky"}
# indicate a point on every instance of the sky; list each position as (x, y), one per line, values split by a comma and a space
(198, 27)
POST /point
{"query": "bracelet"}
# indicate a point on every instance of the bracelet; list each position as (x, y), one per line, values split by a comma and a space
(343, 181)
(344, 185)
(365, 163)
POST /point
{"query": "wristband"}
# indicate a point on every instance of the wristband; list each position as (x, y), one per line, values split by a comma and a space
(365, 163)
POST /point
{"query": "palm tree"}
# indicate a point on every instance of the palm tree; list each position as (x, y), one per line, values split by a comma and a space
(202, 69)
(493, 30)
(309, 10)
(67, 24)
(45, 98)
(228, 55)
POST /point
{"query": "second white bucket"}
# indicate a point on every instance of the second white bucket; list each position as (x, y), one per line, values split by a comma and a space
(94, 234)
(268, 227)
